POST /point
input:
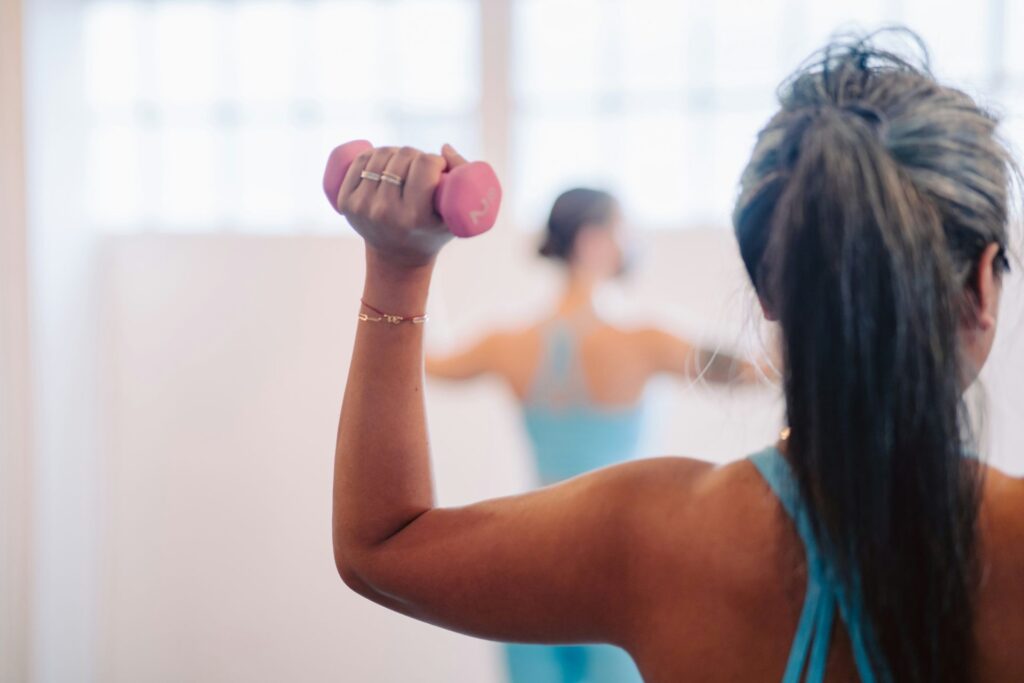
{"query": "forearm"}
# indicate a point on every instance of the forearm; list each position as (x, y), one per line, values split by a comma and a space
(382, 477)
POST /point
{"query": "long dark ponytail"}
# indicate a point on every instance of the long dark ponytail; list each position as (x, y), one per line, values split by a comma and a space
(867, 202)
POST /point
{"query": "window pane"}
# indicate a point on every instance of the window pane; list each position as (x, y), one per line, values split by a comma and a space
(1012, 128)
(957, 35)
(748, 42)
(266, 35)
(190, 187)
(732, 138)
(561, 48)
(555, 152)
(188, 38)
(222, 114)
(266, 171)
(1012, 22)
(654, 52)
(347, 71)
(112, 42)
(821, 20)
(653, 171)
(114, 179)
(434, 55)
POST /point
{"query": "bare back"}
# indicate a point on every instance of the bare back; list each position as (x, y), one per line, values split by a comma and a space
(616, 363)
(748, 562)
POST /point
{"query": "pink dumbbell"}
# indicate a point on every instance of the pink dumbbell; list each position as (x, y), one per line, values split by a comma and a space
(467, 198)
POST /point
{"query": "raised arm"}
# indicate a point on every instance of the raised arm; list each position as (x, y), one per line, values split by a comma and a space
(538, 567)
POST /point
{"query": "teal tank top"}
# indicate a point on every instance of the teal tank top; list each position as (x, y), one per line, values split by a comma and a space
(570, 435)
(568, 432)
(826, 595)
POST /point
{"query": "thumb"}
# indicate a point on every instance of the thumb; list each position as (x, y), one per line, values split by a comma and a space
(453, 158)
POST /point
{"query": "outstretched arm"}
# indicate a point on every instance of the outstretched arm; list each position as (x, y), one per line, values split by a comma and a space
(537, 567)
(669, 353)
(479, 359)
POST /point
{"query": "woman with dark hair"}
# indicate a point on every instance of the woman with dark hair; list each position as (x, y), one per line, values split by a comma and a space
(868, 544)
(580, 382)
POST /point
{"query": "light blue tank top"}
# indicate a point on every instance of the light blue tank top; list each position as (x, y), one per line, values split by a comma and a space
(569, 433)
(825, 593)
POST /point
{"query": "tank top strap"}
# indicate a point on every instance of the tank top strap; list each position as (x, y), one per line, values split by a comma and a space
(559, 379)
(808, 657)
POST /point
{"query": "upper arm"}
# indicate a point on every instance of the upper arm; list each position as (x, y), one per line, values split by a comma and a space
(481, 358)
(537, 567)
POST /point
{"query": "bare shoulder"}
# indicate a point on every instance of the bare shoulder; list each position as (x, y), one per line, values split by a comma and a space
(503, 343)
(1003, 504)
(1000, 611)
(704, 539)
(717, 515)
(516, 353)
(1003, 521)
(648, 336)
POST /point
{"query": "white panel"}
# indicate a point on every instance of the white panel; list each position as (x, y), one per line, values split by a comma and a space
(653, 171)
(653, 46)
(748, 43)
(345, 41)
(733, 136)
(552, 153)
(111, 44)
(266, 169)
(114, 182)
(822, 20)
(1012, 128)
(432, 53)
(191, 177)
(189, 63)
(266, 49)
(957, 36)
(561, 48)
(16, 420)
(1014, 42)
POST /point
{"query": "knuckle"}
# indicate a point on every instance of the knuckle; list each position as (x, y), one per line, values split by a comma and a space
(377, 212)
(408, 215)
(358, 204)
(429, 162)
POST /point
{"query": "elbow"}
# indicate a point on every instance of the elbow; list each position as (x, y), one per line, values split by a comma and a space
(354, 580)
(348, 570)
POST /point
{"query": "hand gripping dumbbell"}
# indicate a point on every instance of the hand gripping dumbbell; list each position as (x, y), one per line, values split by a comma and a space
(467, 198)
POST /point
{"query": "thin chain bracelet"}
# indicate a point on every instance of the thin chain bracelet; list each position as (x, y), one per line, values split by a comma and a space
(390, 318)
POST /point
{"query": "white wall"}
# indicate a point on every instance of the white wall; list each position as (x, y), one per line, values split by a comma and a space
(14, 374)
(65, 376)
(225, 358)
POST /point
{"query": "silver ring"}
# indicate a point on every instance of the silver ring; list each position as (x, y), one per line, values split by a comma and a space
(392, 178)
(370, 175)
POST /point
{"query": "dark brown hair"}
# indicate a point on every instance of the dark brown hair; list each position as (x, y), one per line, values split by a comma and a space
(865, 207)
(573, 211)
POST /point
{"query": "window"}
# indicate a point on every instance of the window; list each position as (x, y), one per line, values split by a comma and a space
(660, 101)
(218, 115)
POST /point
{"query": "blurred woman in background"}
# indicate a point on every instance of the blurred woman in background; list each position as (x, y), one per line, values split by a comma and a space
(580, 381)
